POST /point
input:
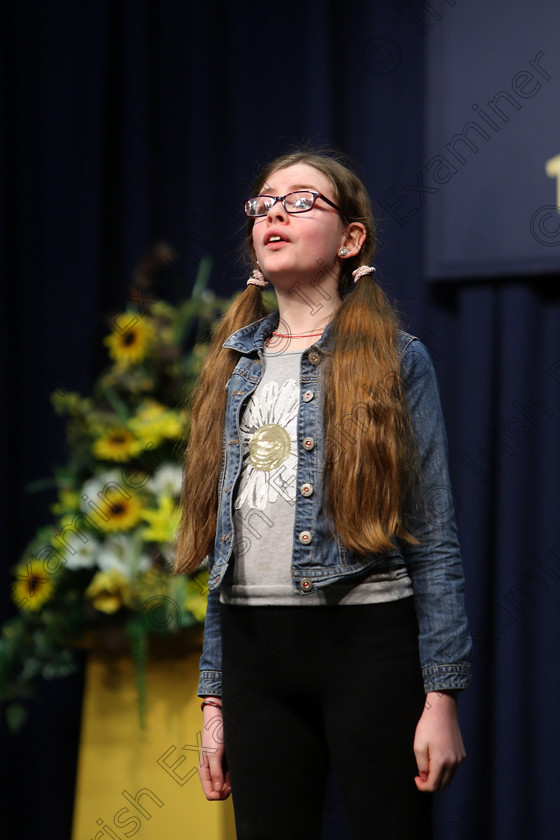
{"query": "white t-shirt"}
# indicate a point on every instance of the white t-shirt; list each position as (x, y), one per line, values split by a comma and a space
(264, 504)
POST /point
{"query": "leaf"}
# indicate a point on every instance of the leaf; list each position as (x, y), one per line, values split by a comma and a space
(41, 484)
(201, 281)
(138, 637)
(42, 644)
(120, 407)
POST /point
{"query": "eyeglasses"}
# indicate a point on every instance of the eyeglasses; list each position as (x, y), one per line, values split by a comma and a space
(294, 202)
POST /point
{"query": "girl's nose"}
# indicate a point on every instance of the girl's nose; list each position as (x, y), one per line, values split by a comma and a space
(277, 212)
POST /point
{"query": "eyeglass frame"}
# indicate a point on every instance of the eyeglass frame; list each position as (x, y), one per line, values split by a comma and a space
(283, 198)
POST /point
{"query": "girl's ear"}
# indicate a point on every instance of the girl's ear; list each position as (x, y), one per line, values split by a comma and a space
(354, 238)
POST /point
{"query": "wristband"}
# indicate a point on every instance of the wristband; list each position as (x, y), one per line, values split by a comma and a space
(210, 703)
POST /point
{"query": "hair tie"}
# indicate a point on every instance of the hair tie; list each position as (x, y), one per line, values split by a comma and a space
(362, 270)
(257, 279)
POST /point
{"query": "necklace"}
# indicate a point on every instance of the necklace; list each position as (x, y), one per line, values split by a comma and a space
(297, 335)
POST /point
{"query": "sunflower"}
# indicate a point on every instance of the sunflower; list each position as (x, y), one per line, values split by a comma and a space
(162, 522)
(131, 339)
(32, 586)
(117, 512)
(108, 591)
(117, 444)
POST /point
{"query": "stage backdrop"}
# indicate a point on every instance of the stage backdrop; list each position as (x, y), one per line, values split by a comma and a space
(490, 179)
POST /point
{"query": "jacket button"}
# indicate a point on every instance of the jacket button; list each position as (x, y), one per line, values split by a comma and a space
(314, 357)
(308, 443)
(306, 584)
(305, 537)
(306, 489)
(307, 396)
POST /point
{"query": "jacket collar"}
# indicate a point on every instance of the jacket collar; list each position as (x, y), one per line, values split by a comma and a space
(252, 337)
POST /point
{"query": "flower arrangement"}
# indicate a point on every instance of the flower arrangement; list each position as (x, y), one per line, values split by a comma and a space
(104, 563)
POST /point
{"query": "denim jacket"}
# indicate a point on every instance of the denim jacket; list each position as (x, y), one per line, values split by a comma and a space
(319, 558)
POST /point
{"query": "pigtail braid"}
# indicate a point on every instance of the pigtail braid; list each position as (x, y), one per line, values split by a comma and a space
(199, 498)
(369, 449)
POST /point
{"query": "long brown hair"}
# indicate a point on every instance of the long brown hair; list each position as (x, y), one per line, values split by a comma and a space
(369, 448)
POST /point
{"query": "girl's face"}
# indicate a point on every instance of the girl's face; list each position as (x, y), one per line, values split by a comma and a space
(302, 245)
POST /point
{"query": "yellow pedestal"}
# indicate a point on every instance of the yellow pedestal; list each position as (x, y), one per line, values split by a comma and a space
(143, 783)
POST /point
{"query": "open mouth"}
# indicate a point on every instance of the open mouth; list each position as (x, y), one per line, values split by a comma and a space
(274, 239)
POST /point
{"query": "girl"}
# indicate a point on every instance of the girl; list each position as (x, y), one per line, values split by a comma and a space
(316, 483)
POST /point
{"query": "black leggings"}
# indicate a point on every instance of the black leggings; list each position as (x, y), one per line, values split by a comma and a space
(304, 686)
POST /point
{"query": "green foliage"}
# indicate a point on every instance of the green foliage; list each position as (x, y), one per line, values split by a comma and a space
(103, 564)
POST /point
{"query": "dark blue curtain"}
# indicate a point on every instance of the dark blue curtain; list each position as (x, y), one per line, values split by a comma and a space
(132, 123)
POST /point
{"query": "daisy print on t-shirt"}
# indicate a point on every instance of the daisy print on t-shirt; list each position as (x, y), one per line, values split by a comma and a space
(269, 429)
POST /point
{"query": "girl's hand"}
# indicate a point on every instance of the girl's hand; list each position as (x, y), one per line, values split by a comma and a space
(438, 745)
(214, 778)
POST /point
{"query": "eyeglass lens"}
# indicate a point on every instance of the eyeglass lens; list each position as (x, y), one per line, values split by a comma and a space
(295, 202)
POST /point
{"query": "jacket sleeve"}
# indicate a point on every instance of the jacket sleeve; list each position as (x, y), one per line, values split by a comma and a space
(210, 682)
(434, 564)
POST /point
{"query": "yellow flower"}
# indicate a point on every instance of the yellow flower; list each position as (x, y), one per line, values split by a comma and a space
(68, 501)
(32, 587)
(162, 522)
(117, 512)
(162, 311)
(108, 591)
(117, 444)
(131, 339)
(155, 423)
(70, 402)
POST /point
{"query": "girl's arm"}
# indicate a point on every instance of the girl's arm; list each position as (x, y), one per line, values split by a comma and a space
(212, 771)
(434, 564)
(437, 578)
(438, 744)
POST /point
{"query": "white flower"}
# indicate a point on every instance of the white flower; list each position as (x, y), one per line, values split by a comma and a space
(122, 552)
(269, 429)
(81, 552)
(94, 488)
(169, 553)
(166, 481)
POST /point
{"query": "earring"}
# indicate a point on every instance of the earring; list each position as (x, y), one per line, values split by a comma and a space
(343, 252)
